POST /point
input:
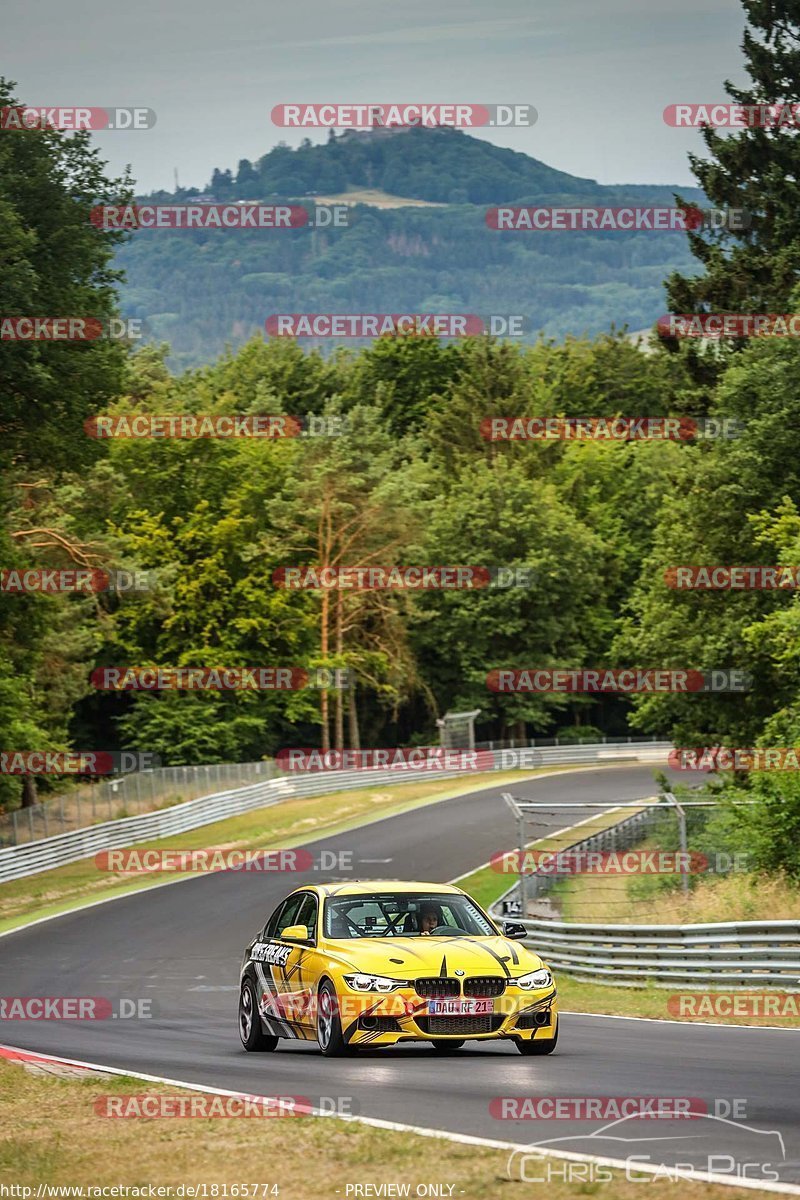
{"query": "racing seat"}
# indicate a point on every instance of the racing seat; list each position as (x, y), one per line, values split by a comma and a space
(339, 926)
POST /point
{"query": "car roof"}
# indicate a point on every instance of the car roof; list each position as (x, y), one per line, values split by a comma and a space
(368, 887)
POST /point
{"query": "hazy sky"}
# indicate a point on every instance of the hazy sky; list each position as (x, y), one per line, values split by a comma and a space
(599, 72)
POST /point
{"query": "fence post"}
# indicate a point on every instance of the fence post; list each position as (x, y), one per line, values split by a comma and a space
(681, 815)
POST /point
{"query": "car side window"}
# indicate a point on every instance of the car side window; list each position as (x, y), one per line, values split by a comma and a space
(307, 914)
(283, 916)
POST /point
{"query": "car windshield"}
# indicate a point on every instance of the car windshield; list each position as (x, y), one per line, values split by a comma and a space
(404, 915)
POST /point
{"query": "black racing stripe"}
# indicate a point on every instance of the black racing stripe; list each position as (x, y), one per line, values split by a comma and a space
(497, 958)
(443, 971)
(351, 1028)
(479, 945)
(297, 966)
(514, 955)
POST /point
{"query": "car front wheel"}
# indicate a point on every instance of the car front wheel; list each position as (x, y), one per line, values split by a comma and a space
(329, 1023)
(538, 1045)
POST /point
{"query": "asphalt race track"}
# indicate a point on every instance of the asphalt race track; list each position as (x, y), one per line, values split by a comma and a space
(181, 946)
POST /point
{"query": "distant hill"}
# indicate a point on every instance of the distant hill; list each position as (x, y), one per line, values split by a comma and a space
(443, 165)
(203, 290)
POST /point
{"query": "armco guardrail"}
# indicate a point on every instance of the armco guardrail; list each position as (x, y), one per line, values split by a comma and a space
(724, 954)
(126, 795)
(42, 855)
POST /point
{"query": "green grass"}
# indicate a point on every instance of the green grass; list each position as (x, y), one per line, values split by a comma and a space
(52, 1134)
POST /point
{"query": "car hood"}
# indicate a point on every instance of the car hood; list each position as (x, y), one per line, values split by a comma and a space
(410, 957)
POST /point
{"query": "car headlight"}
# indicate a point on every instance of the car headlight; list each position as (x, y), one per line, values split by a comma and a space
(535, 980)
(373, 983)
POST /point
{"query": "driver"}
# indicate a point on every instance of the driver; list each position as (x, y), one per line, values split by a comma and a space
(430, 916)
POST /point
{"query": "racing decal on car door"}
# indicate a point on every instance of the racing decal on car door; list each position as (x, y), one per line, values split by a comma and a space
(270, 952)
(281, 1007)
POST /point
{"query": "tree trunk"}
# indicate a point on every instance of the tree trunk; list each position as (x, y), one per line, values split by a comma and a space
(30, 796)
(352, 716)
(338, 696)
(323, 645)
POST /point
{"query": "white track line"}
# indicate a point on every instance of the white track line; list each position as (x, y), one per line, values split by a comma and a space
(686, 1024)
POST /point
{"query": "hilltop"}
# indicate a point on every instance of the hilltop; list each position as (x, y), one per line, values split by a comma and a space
(420, 245)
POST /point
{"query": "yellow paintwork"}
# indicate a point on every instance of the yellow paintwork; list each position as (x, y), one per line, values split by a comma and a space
(289, 990)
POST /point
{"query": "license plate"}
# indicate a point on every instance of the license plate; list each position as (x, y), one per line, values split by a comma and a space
(452, 1008)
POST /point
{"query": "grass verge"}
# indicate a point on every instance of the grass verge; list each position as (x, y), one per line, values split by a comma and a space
(52, 1135)
(645, 900)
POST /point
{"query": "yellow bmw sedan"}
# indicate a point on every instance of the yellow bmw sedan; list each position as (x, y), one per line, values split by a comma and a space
(380, 962)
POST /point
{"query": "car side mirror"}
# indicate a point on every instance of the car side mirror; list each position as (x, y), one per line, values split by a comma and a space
(515, 930)
(295, 933)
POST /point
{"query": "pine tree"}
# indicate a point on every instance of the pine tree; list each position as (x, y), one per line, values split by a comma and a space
(757, 169)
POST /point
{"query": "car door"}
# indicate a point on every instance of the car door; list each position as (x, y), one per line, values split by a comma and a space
(282, 967)
(302, 966)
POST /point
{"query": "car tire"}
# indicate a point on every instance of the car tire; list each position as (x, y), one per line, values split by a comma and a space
(444, 1046)
(253, 1037)
(537, 1045)
(329, 1022)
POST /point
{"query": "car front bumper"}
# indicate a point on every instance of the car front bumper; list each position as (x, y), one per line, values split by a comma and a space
(405, 1016)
